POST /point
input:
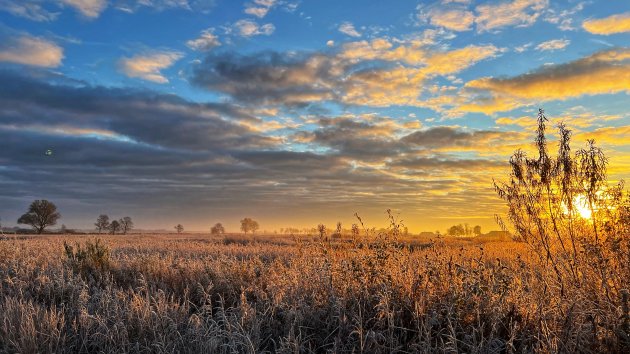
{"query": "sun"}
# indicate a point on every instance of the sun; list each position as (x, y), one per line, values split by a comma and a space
(580, 203)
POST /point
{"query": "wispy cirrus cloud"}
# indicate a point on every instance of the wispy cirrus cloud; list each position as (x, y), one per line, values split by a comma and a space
(89, 8)
(148, 66)
(619, 23)
(521, 13)
(29, 9)
(552, 45)
(348, 28)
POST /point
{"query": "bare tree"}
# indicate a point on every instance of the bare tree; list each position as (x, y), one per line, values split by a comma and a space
(102, 223)
(179, 228)
(217, 229)
(114, 227)
(40, 215)
(126, 224)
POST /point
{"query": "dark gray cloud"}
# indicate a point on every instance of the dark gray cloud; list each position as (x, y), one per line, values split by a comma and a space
(270, 77)
(448, 136)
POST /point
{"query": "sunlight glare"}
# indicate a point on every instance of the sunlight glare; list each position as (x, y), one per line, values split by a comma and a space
(580, 203)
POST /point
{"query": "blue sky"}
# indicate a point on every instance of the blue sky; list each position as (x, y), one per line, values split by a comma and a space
(297, 112)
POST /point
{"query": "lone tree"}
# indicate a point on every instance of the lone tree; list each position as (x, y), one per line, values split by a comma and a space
(102, 223)
(179, 228)
(217, 229)
(125, 224)
(249, 224)
(40, 215)
(477, 230)
(114, 227)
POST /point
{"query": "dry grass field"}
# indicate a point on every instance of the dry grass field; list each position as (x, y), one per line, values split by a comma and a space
(237, 294)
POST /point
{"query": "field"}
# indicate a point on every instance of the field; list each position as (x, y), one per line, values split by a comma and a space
(251, 294)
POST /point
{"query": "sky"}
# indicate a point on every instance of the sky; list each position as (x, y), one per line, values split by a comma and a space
(296, 113)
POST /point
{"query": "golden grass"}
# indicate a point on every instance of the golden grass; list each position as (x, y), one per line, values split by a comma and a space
(236, 294)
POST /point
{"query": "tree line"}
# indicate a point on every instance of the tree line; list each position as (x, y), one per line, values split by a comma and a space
(43, 213)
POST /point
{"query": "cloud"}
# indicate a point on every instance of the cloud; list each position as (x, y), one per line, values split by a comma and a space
(347, 28)
(376, 73)
(604, 72)
(88, 8)
(249, 28)
(453, 19)
(522, 13)
(522, 48)
(577, 121)
(259, 8)
(552, 45)
(132, 6)
(206, 41)
(138, 117)
(451, 137)
(148, 66)
(609, 25)
(268, 77)
(29, 50)
(31, 10)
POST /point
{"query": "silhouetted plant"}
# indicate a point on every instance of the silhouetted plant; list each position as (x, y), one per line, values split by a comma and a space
(565, 209)
(93, 258)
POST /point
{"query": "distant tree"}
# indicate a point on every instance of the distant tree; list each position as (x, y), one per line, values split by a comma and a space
(40, 215)
(63, 229)
(179, 228)
(456, 230)
(249, 224)
(477, 230)
(217, 229)
(254, 226)
(102, 223)
(126, 224)
(114, 227)
(321, 228)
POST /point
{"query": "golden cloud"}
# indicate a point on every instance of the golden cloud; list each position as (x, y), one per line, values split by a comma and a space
(604, 72)
(30, 50)
(609, 25)
(148, 66)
